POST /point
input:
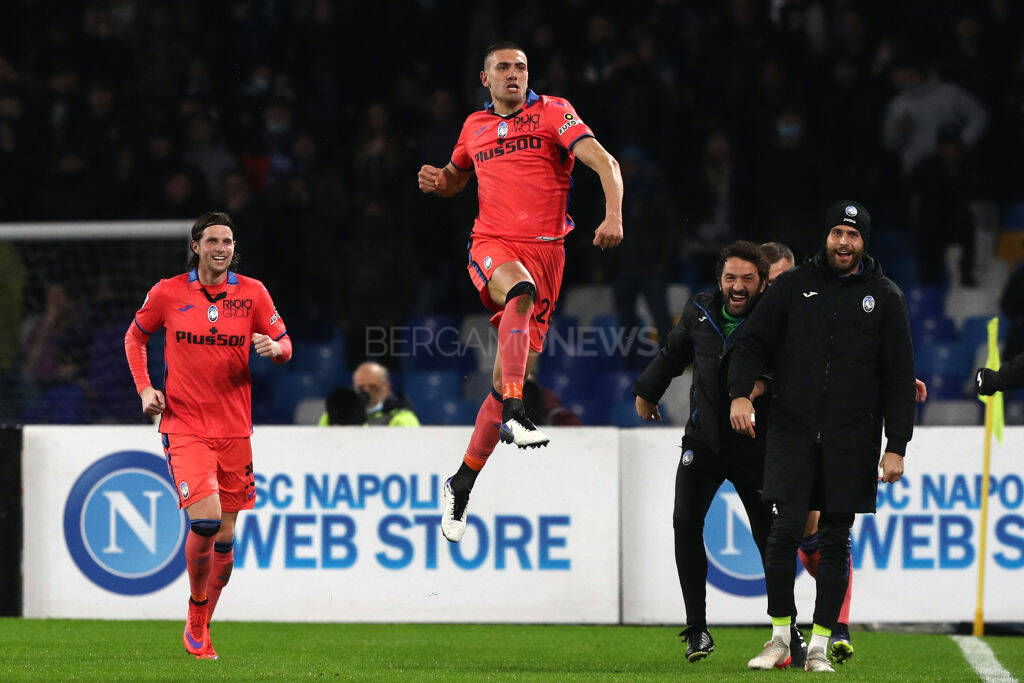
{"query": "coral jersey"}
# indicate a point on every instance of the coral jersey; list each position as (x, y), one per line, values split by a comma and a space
(523, 164)
(209, 332)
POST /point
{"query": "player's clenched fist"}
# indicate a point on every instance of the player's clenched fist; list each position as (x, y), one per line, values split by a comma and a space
(609, 233)
(432, 179)
(265, 346)
(153, 402)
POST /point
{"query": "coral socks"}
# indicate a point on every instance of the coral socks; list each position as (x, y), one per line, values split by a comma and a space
(197, 558)
(485, 433)
(514, 345)
(223, 563)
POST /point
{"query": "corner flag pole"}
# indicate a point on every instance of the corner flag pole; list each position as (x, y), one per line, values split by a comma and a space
(993, 426)
(979, 616)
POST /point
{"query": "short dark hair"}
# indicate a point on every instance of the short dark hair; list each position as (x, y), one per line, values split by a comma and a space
(773, 251)
(196, 234)
(746, 250)
(501, 45)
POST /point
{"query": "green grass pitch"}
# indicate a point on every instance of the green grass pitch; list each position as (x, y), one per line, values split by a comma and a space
(149, 650)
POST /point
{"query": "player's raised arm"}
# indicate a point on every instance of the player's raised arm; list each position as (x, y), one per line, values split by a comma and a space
(444, 182)
(590, 152)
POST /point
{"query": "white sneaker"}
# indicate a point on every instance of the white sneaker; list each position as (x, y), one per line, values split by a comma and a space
(775, 655)
(517, 428)
(523, 433)
(453, 526)
(817, 662)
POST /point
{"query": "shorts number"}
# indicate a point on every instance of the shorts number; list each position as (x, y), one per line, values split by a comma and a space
(546, 303)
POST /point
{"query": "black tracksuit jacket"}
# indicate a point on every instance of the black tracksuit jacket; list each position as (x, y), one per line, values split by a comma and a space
(843, 365)
(698, 339)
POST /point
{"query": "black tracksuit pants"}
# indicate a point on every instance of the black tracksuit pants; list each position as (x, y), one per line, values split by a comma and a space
(697, 481)
(787, 528)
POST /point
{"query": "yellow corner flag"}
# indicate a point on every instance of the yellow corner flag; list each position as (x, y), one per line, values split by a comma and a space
(993, 426)
(992, 363)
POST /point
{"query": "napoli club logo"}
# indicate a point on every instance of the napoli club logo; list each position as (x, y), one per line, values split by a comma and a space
(212, 313)
(734, 565)
(122, 525)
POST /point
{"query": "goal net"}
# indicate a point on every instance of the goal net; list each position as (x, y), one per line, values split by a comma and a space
(68, 292)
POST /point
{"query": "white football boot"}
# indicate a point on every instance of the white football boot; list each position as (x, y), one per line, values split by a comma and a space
(517, 428)
(775, 655)
(817, 661)
(453, 514)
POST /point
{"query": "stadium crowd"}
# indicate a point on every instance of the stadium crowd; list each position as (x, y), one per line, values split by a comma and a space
(306, 121)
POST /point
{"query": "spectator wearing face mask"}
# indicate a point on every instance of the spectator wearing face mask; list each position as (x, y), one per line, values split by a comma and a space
(383, 407)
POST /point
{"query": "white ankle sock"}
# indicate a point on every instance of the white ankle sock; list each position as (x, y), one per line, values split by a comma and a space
(781, 632)
(818, 641)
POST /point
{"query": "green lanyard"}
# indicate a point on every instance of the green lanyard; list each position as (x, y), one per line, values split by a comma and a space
(729, 322)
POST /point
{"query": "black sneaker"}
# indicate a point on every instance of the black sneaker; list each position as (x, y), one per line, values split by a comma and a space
(797, 647)
(839, 646)
(517, 428)
(699, 643)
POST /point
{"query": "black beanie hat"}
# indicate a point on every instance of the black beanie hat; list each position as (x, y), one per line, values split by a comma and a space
(851, 213)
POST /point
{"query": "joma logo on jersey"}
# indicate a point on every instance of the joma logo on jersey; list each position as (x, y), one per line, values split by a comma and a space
(122, 524)
(530, 142)
(210, 339)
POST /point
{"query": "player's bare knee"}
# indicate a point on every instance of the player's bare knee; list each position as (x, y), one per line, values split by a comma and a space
(524, 293)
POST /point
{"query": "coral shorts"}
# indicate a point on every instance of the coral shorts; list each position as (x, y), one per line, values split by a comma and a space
(544, 261)
(201, 467)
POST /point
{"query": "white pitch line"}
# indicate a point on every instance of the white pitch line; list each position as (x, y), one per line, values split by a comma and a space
(979, 656)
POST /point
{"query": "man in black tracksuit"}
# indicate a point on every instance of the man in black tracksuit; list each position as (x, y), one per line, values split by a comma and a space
(836, 335)
(712, 451)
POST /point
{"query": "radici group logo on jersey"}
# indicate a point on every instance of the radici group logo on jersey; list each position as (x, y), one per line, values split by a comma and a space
(734, 564)
(122, 524)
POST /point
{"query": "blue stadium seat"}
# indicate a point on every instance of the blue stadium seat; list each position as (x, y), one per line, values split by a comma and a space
(623, 414)
(456, 411)
(62, 404)
(433, 343)
(615, 386)
(932, 330)
(975, 331)
(944, 387)
(324, 360)
(945, 368)
(945, 359)
(425, 388)
(924, 301)
(901, 269)
(1013, 219)
(592, 412)
(290, 388)
(109, 379)
(568, 386)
